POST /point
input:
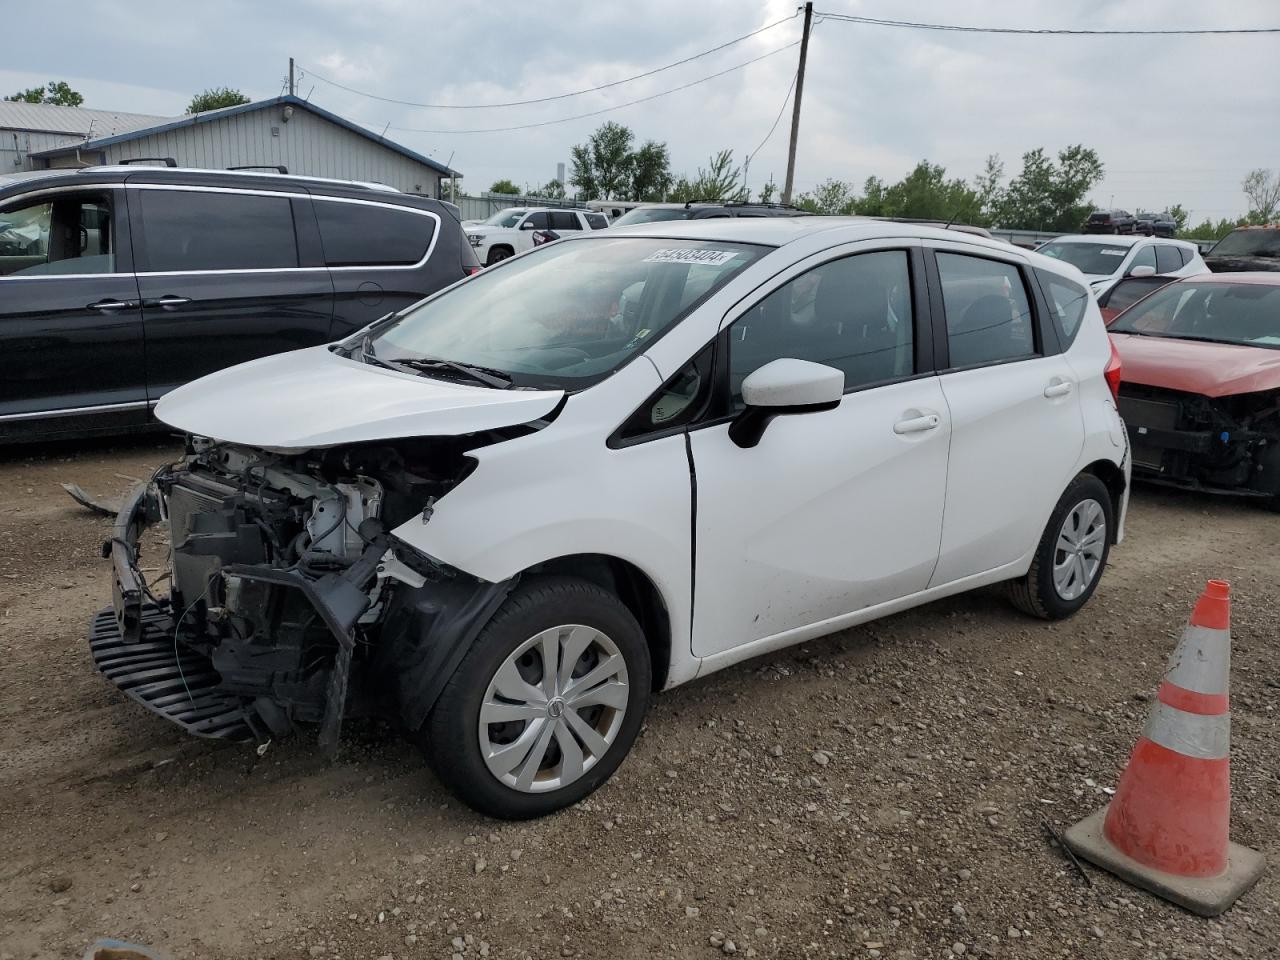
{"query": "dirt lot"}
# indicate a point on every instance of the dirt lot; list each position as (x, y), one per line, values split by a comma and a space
(878, 793)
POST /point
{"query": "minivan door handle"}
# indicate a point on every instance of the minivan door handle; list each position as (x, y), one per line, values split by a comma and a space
(167, 302)
(106, 306)
(917, 424)
(1058, 387)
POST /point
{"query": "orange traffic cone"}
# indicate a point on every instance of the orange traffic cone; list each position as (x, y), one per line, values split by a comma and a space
(1167, 829)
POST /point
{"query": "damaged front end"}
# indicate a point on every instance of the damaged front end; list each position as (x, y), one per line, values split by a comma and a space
(1225, 444)
(289, 599)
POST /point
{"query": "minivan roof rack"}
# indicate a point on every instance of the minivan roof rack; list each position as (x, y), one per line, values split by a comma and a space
(366, 184)
(167, 161)
(279, 168)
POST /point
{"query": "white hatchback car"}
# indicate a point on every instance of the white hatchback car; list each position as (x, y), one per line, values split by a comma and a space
(1105, 261)
(505, 516)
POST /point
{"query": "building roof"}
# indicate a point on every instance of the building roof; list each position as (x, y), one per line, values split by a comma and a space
(70, 121)
(212, 116)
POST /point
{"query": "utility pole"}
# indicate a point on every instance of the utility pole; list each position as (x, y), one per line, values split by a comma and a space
(795, 108)
(291, 76)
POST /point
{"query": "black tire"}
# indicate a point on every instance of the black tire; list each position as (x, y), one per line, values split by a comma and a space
(1035, 594)
(498, 254)
(451, 734)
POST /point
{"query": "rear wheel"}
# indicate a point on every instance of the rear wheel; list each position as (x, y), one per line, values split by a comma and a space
(545, 705)
(498, 254)
(1072, 553)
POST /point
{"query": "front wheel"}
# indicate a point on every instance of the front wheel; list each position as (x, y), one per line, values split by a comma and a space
(1072, 553)
(545, 705)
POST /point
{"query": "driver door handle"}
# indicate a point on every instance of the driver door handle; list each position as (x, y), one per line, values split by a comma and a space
(167, 302)
(106, 306)
(917, 424)
(1058, 387)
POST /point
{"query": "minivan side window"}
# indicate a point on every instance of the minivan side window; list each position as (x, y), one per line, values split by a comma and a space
(565, 220)
(1167, 259)
(987, 310)
(853, 314)
(195, 230)
(362, 234)
(1068, 302)
(66, 235)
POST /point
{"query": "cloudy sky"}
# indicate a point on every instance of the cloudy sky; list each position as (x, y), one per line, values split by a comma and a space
(1175, 119)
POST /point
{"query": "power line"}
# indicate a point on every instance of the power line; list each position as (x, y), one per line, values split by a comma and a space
(617, 106)
(559, 96)
(959, 28)
(781, 110)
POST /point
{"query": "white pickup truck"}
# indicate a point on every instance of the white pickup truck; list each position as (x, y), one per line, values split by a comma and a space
(510, 231)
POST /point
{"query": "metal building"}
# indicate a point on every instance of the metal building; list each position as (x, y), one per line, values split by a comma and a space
(284, 131)
(32, 128)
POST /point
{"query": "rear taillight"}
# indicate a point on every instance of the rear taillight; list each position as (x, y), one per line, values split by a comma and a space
(1113, 372)
(470, 271)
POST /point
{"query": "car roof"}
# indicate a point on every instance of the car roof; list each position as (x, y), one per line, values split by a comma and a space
(1112, 240)
(158, 174)
(1259, 277)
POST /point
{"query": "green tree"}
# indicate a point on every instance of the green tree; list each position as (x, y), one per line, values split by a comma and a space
(872, 202)
(1051, 196)
(1179, 215)
(829, 197)
(768, 192)
(926, 194)
(582, 174)
(989, 186)
(602, 166)
(721, 180)
(215, 99)
(552, 190)
(650, 172)
(1262, 189)
(504, 186)
(1209, 230)
(57, 92)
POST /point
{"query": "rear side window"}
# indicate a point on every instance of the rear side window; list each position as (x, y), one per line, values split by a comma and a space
(565, 220)
(987, 310)
(361, 234)
(1068, 302)
(217, 231)
(1167, 259)
(596, 221)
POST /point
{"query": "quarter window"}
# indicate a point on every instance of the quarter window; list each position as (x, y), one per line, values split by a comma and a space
(1167, 259)
(1068, 302)
(987, 310)
(360, 234)
(217, 231)
(67, 235)
(853, 314)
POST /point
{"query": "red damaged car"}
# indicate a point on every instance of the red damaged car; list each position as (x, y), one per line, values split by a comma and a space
(1201, 383)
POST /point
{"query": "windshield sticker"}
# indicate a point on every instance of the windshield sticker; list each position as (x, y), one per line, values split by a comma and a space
(713, 258)
(1112, 253)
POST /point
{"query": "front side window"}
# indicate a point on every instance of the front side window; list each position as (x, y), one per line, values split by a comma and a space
(1095, 259)
(1145, 257)
(190, 230)
(987, 310)
(539, 220)
(505, 219)
(361, 234)
(568, 314)
(853, 314)
(1068, 302)
(71, 234)
(1242, 313)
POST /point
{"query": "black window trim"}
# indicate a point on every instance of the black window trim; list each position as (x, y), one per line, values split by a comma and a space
(942, 349)
(139, 231)
(120, 226)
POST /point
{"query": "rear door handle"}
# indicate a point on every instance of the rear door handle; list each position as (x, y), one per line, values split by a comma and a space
(167, 302)
(1057, 388)
(106, 306)
(917, 424)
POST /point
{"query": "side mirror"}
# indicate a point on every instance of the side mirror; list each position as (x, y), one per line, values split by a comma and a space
(1143, 270)
(782, 387)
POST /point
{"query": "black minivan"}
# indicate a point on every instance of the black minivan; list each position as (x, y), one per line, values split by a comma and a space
(118, 284)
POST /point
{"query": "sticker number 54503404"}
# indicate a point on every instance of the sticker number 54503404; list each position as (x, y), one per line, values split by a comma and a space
(714, 258)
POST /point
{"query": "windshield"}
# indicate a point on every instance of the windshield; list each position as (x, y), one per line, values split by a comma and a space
(652, 215)
(1244, 313)
(505, 218)
(1249, 243)
(570, 313)
(1095, 258)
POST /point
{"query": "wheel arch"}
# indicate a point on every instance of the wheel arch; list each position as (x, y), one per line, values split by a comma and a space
(1113, 479)
(635, 588)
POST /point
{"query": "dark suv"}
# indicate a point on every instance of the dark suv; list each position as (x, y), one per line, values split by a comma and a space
(1246, 248)
(705, 209)
(1110, 221)
(118, 284)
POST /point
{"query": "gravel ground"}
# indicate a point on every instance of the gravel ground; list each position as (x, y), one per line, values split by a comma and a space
(879, 793)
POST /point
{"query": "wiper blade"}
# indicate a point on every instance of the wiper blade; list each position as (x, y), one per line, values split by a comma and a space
(485, 375)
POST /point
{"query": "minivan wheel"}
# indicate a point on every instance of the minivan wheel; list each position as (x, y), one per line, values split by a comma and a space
(498, 253)
(1072, 553)
(545, 705)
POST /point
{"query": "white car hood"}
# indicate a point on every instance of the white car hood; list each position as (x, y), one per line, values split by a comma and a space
(315, 398)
